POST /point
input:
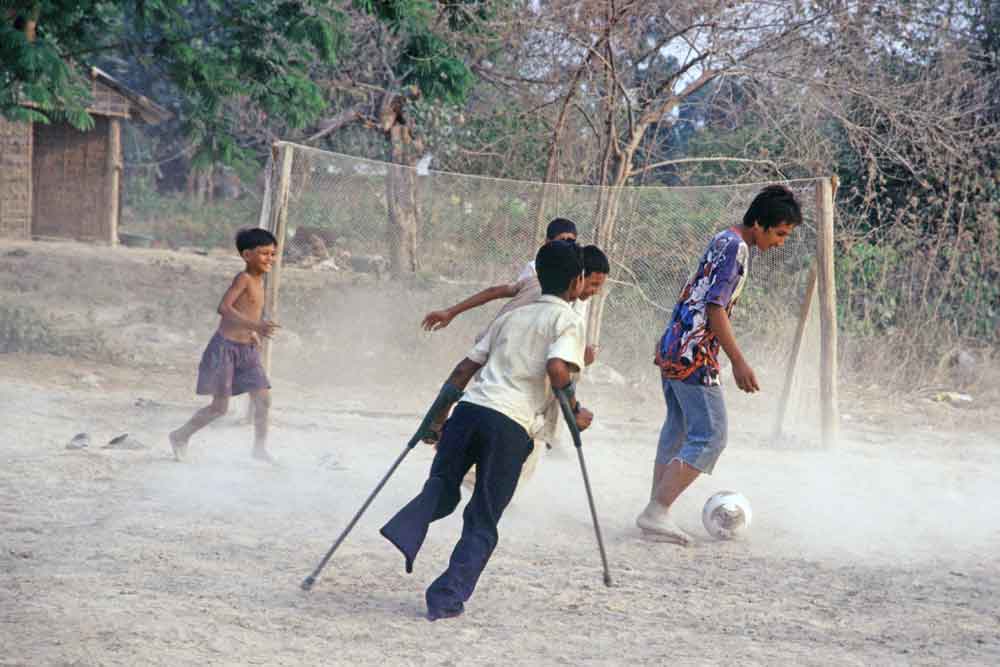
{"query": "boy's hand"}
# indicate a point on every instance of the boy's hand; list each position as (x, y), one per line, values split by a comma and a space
(590, 354)
(266, 328)
(254, 339)
(437, 319)
(433, 434)
(745, 379)
(583, 418)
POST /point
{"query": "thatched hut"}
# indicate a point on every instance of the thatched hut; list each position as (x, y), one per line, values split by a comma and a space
(56, 181)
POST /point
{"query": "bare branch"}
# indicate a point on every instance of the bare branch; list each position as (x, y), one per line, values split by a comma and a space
(686, 160)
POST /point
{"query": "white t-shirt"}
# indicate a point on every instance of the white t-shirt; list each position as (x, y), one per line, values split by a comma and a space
(527, 285)
(527, 290)
(514, 353)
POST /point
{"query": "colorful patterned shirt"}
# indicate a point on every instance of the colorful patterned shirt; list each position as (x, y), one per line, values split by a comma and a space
(688, 349)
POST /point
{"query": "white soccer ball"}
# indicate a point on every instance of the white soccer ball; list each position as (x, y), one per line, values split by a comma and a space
(727, 515)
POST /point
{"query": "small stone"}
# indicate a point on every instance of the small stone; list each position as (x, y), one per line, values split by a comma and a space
(17, 252)
(79, 441)
(124, 441)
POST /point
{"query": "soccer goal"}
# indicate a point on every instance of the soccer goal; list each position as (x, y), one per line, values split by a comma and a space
(368, 247)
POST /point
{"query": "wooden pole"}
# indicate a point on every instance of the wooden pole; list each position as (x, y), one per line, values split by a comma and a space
(113, 179)
(279, 219)
(793, 361)
(830, 416)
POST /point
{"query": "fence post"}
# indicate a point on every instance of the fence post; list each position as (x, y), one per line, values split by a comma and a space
(113, 175)
(277, 222)
(830, 416)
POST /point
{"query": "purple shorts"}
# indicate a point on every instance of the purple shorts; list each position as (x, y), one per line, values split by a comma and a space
(229, 368)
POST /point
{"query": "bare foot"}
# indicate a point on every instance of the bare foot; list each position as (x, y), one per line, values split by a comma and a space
(179, 446)
(678, 537)
(261, 454)
(657, 526)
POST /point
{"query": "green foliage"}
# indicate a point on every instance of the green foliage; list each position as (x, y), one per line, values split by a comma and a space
(432, 64)
(221, 58)
(175, 221)
(427, 59)
(37, 72)
(400, 15)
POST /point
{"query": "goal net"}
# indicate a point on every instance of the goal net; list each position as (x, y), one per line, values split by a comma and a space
(368, 248)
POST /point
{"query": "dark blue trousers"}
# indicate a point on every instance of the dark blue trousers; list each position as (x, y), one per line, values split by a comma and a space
(498, 447)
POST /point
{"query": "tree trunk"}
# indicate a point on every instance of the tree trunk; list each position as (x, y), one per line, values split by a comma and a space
(199, 185)
(616, 169)
(31, 22)
(401, 200)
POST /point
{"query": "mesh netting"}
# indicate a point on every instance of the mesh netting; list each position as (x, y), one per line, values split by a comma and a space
(474, 232)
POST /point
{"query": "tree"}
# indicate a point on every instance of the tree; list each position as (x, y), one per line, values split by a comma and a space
(220, 57)
(404, 53)
(639, 62)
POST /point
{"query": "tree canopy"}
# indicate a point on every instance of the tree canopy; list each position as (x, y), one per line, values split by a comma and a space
(218, 62)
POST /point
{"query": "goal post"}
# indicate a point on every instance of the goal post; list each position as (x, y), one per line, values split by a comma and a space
(827, 284)
(332, 217)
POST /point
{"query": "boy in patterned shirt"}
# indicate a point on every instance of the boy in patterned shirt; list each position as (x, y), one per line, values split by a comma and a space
(695, 430)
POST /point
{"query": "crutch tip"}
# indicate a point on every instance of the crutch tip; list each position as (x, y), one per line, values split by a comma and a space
(607, 580)
(307, 583)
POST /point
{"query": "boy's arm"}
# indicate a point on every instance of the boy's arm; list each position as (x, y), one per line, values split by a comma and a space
(560, 378)
(460, 377)
(439, 319)
(718, 323)
(464, 372)
(229, 313)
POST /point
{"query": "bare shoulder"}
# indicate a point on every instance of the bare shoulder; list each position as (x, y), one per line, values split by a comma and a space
(238, 285)
(241, 278)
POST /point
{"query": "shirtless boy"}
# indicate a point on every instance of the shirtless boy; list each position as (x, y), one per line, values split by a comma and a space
(231, 363)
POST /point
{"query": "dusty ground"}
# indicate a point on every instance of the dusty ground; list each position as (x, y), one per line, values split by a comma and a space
(881, 551)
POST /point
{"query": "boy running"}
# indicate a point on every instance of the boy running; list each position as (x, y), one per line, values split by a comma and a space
(231, 362)
(522, 356)
(695, 430)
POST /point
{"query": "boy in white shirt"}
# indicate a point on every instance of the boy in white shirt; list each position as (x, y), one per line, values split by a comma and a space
(524, 354)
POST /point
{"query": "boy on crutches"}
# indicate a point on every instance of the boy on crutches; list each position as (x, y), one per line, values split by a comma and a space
(525, 353)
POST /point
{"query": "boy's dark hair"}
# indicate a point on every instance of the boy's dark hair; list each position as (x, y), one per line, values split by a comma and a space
(773, 206)
(595, 261)
(558, 264)
(559, 226)
(254, 237)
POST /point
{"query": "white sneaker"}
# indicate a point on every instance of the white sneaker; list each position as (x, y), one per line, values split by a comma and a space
(657, 526)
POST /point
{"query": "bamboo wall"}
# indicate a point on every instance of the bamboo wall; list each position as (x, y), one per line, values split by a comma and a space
(15, 179)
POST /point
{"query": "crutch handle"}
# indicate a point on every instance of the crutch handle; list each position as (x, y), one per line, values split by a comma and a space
(448, 395)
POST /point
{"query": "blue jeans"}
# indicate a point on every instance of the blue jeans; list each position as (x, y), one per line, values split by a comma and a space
(695, 429)
(498, 447)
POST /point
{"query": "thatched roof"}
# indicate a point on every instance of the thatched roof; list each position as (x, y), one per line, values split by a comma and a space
(141, 106)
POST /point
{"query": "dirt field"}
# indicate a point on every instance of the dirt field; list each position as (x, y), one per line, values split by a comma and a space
(879, 552)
